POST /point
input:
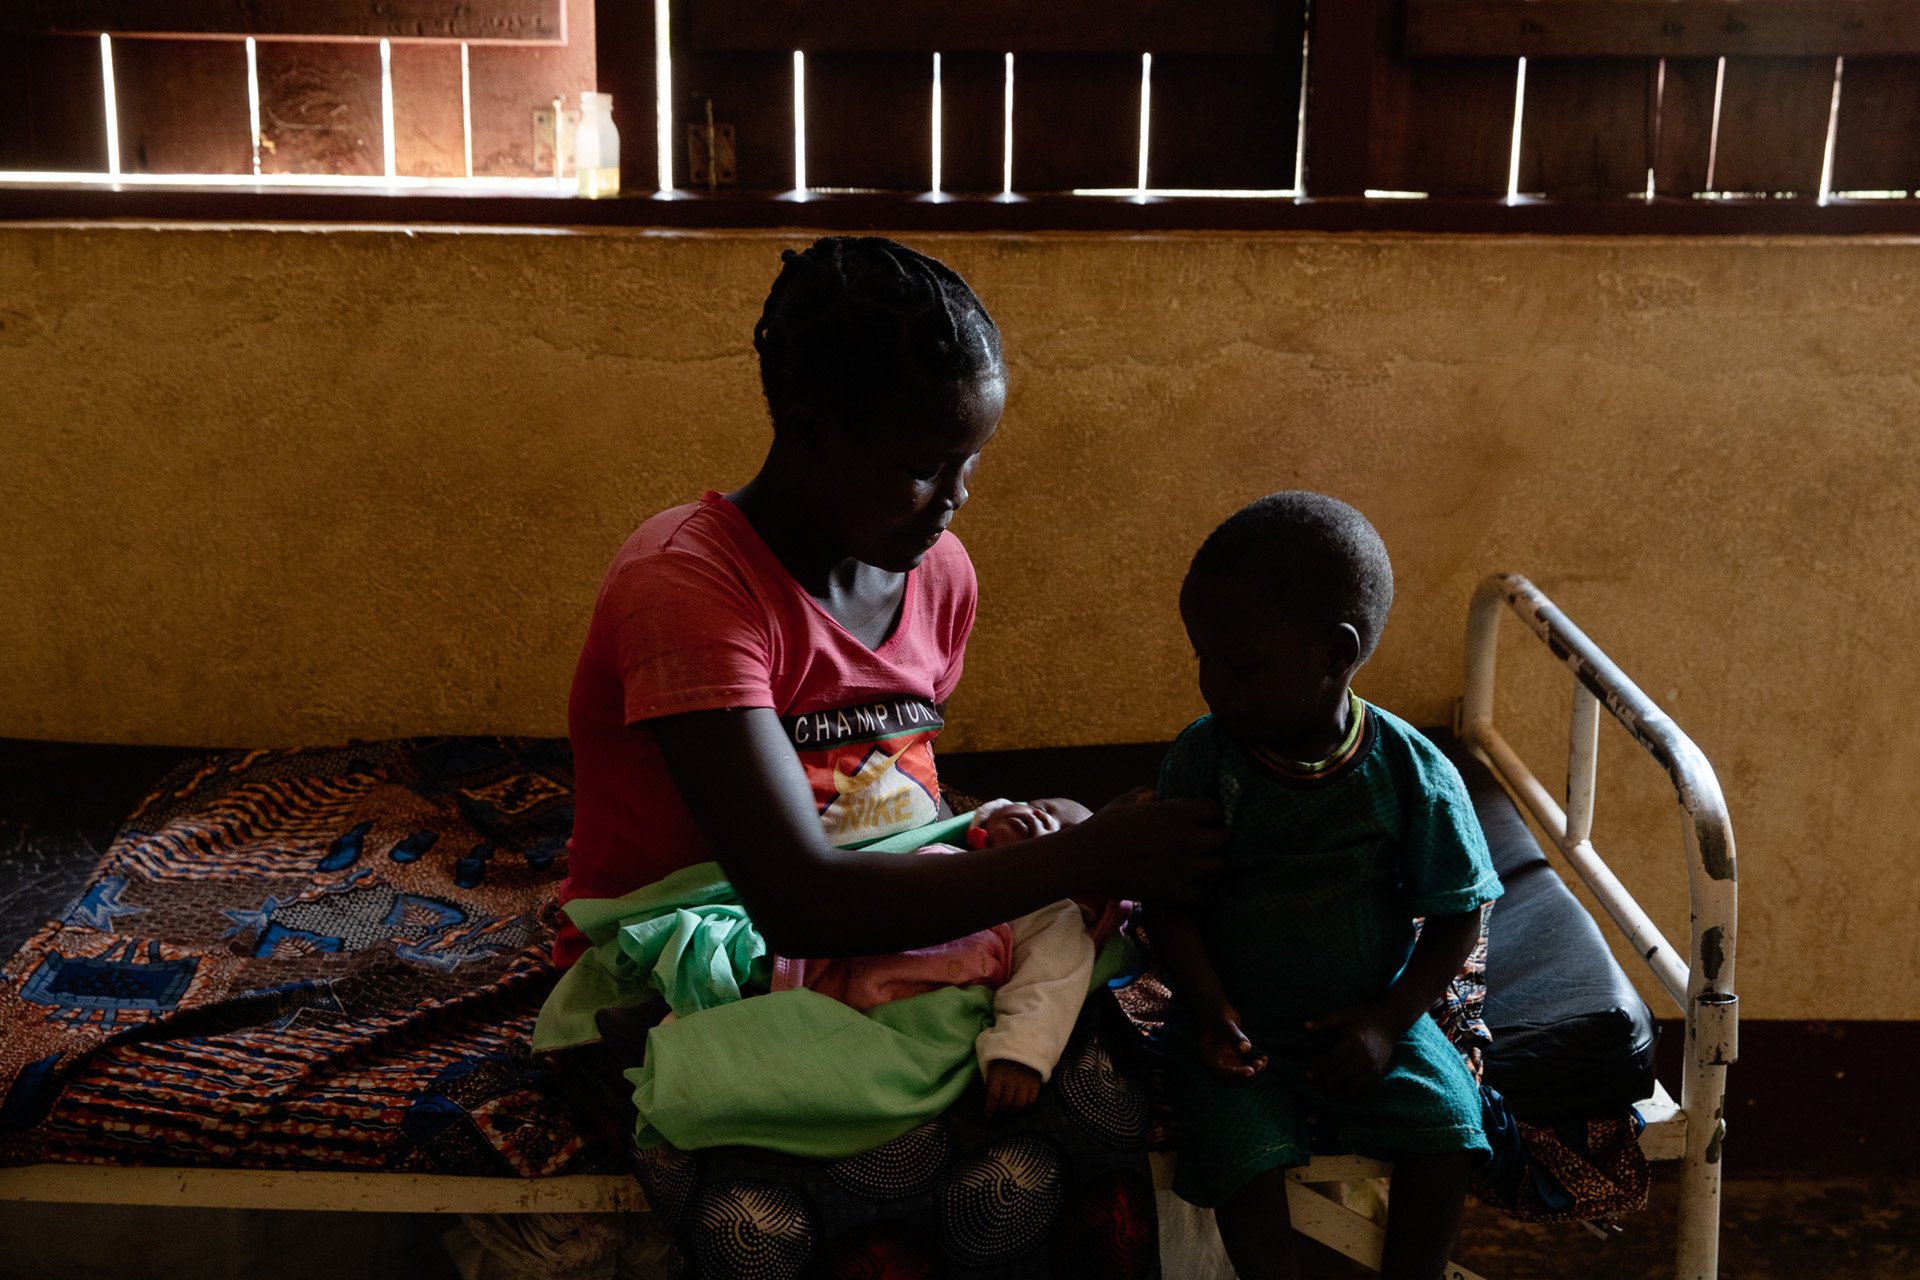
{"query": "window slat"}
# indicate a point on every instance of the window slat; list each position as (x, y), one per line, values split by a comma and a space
(1661, 28)
(971, 128)
(869, 120)
(50, 94)
(1223, 122)
(1773, 125)
(986, 26)
(183, 106)
(1878, 143)
(1076, 120)
(1443, 127)
(512, 21)
(1685, 142)
(428, 135)
(753, 92)
(1589, 126)
(320, 108)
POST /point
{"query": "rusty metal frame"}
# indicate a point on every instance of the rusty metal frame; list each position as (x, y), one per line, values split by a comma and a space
(1702, 986)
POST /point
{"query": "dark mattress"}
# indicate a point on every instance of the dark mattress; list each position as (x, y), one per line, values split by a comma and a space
(1571, 1036)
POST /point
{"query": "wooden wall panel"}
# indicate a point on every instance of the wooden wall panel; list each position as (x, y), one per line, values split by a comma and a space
(51, 100)
(1348, 82)
(1224, 122)
(428, 123)
(510, 84)
(622, 42)
(1773, 125)
(1684, 140)
(870, 120)
(320, 108)
(511, 20)
(753, 92)
(1076, 121)
(1588, 127)
(973, 121)
(1661, 28)
(183, 106)
(1877, 141)
(1443, 126)
(981, 26)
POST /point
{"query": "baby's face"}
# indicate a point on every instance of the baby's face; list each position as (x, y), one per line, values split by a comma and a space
(1018, 822)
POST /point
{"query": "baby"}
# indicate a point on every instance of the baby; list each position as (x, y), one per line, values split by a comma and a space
(1299, 986)
(1038, 965)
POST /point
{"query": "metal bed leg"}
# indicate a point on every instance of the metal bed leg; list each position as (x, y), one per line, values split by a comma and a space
(1709, 1048)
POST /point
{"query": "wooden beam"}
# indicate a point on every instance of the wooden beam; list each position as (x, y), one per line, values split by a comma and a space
(1660, 28)
(1346, 87)
(475, 21)
(371, 1191)
(963, 213)
(985, 26)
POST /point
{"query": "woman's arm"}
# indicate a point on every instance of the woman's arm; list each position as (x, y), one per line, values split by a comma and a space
(738, 775)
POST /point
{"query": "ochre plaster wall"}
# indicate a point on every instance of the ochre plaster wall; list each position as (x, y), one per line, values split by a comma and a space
(284, 486)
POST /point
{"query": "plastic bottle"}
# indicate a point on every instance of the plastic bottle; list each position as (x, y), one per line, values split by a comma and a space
(596, 147)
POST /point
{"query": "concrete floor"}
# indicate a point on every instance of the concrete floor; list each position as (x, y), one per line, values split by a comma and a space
(1855, 1229)
(1830, 1229)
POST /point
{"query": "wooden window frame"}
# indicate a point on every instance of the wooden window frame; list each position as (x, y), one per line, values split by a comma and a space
(1351, 38)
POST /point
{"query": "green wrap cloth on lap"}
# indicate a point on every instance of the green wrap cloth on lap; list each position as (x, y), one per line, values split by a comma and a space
(684, 938)
(800, 1072)
(790, 1071)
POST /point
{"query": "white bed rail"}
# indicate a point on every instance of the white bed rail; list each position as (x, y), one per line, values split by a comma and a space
(1702, 985)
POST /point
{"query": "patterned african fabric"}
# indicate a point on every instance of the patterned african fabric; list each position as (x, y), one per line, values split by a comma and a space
(1567, 1171)
(308, 959)
(1059, 1190)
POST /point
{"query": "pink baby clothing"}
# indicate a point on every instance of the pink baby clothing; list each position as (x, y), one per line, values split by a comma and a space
(1038, 965)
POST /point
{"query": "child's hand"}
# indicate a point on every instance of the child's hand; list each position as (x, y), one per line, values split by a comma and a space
(1364, 1039)
(1225, 1049)
(1011, 1086)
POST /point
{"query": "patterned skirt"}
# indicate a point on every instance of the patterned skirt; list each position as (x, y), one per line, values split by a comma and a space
(1061, 1189)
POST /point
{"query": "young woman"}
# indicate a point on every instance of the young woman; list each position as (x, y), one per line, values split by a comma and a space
(766, 672)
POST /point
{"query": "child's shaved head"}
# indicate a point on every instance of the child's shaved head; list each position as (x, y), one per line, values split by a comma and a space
(1321, 560)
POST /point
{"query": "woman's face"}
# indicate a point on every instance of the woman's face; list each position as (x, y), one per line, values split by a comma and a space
(891, 485)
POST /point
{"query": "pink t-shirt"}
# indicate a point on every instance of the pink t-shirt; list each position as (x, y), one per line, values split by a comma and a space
(697, 614)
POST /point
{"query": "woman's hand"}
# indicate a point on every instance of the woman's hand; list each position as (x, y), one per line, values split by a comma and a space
(1142, 847)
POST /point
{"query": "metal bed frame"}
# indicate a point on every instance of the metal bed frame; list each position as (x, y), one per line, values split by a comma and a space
(1322, 1196)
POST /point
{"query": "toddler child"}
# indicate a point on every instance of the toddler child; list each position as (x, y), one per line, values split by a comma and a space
(1038, 965)
(1298, 985)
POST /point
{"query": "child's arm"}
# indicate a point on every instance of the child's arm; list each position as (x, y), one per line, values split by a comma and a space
(1224, 1047)
(1367, 1032)
(1035, 1008)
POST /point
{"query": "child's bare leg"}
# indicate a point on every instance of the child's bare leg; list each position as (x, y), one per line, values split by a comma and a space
(1423, 1214)
(1257, 1231)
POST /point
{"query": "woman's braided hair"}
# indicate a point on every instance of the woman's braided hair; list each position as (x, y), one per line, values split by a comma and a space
(854, 319)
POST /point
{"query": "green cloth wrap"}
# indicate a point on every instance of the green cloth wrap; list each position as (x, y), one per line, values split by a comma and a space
(801, 1073)
(790, 1071)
